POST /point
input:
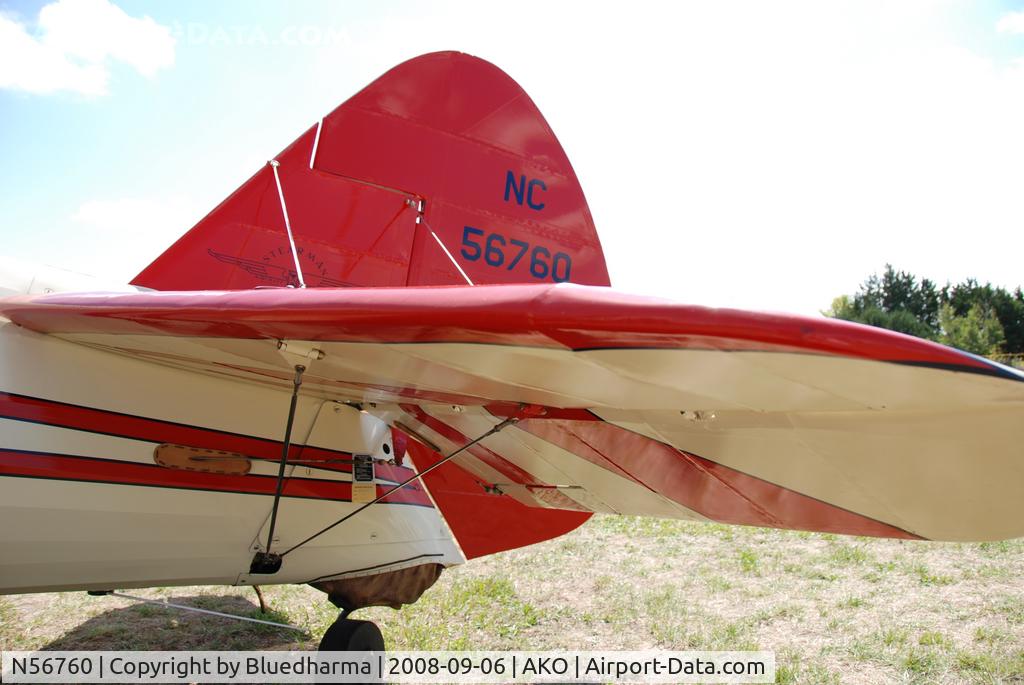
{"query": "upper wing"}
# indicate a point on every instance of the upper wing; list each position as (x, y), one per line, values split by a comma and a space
(650, 407)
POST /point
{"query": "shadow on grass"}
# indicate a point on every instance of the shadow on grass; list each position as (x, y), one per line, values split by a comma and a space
(152, 627)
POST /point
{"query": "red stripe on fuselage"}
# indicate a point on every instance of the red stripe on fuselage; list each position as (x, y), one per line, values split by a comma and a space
(76, 468)
(64, 415)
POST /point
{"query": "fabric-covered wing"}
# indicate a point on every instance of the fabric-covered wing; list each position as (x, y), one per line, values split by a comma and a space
(649, 407)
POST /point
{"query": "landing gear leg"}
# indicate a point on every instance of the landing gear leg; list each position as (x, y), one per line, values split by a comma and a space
(263, 602)
(350, 635)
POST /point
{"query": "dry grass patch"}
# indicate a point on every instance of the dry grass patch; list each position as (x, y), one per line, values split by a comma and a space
(834, 609)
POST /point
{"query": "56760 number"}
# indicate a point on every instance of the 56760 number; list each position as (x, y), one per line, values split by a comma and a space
(498, 251)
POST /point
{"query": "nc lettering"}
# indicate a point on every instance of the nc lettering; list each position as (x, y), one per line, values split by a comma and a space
(523, 189)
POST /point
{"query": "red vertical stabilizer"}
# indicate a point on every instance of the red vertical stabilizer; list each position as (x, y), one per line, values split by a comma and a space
(446, 138)
(488, 522)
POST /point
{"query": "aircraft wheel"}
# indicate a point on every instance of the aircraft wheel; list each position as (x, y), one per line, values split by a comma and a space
(348, 635)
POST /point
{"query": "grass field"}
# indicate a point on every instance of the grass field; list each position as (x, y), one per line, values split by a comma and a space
(834, 609)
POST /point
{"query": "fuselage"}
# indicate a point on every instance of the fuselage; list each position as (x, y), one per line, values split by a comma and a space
(87, 505)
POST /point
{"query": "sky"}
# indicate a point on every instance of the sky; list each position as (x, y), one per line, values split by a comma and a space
(765, 156)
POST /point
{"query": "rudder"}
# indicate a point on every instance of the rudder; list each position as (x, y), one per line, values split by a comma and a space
(443, 145)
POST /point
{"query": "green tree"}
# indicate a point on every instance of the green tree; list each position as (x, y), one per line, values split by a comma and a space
(978, 318)
(1007, 307)
(895, 301)
(978, 331)
(842, 308)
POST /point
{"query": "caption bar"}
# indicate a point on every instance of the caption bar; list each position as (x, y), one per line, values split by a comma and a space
(389, 667)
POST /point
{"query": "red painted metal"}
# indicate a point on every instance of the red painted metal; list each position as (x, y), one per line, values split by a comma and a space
(484, 522)
(555, 316)
(447, 129)
(16, 463)
(47, 412)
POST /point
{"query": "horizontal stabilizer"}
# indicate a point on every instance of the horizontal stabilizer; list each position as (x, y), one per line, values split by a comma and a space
(643, 406)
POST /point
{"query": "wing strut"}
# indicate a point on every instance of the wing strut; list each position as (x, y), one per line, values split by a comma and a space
(422, 221)
(185, 607)
(525, 411)
(268, 562)
(288, 224)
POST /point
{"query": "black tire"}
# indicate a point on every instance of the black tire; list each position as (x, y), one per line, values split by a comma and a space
(348, 635)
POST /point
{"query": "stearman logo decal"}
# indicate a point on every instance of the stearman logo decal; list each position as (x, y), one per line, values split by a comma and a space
(282, 276)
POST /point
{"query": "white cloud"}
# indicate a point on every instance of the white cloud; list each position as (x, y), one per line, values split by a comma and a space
(75, 43)
(26, 64)
(1012, 22)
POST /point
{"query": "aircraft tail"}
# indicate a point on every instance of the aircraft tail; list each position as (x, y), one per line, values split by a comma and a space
(441, 171)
